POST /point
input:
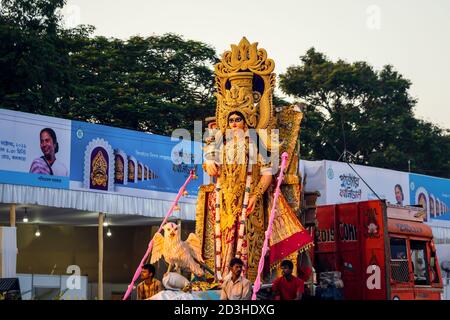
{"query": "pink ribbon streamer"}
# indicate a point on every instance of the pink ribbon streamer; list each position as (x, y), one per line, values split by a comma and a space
(268, 234)
(150, 245)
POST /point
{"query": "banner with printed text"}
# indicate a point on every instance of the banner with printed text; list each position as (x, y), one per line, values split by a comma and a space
(49, 152)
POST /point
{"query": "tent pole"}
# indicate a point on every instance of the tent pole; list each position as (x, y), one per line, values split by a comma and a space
(101, 218)
(12, 215)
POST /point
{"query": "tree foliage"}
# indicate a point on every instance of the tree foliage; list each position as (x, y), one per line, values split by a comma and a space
(160, 83)
(351, 106)
(34, 69)
(154, 84)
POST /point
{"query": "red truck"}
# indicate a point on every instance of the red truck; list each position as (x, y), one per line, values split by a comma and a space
(382, 251)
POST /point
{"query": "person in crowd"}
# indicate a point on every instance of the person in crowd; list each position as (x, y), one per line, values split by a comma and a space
(235, 286)
(288, 286)
(149, 285)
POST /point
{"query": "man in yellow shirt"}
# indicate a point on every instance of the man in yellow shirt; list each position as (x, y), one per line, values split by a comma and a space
(149, 286)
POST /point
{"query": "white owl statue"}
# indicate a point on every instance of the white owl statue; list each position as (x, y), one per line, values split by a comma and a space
(178, 254)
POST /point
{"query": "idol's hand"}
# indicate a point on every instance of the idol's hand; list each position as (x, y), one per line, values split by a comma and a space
(251, 204)
(211, 168)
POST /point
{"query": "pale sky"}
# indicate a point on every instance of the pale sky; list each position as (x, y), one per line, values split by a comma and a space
(413, 36)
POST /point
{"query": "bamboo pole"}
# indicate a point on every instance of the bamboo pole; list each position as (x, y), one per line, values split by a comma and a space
(150, 245)
(101, 218)
(12, 215)
(268, 233)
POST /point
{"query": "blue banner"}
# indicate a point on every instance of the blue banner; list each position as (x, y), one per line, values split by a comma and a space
(433, 194)
(130, 162)
(57, 153)
(34, 150)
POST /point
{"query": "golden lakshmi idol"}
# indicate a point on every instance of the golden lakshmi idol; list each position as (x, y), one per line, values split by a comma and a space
(245, 83)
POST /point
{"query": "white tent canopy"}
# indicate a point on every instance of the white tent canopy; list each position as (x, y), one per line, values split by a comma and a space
(88, 201)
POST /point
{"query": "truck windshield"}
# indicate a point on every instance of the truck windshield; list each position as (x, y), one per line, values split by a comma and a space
(399, 260)
(419, 262)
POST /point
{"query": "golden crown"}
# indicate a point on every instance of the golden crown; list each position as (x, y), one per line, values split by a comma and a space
(245, 83)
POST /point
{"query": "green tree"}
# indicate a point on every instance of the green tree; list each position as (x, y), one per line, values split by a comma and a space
(29, 55)
(351, 106)
(153, 84)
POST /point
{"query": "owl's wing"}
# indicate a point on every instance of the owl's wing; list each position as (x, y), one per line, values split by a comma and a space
(158, 246)
(195, 246)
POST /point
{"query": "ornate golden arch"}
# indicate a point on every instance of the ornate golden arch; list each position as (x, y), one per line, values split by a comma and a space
(245, 82)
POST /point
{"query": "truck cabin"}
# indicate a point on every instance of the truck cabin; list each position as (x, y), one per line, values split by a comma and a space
(369, 240)
(413, 260)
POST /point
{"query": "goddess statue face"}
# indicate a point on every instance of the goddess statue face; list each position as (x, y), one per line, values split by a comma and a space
(236, 123)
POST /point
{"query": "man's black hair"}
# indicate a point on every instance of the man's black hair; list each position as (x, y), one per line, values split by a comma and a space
(236, 261)
(151, 268)
(287, 263)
